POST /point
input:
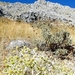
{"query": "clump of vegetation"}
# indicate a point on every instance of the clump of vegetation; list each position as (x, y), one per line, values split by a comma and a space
(60, 52)
(33, 62)
(61, 38)
(38, 42)
(57, 42)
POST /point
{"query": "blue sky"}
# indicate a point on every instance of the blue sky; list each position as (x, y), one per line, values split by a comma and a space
(70, 3)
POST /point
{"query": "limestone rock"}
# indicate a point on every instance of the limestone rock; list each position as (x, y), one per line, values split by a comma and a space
(14, 43)
(1, 12)
(29, 16)
(41, 9)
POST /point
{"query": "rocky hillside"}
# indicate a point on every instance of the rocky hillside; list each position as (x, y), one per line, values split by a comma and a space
(39, 10)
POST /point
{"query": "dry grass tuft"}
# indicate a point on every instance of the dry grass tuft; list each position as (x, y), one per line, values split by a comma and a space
(14, 30)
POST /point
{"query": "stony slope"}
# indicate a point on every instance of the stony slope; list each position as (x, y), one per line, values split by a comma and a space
(43, 10)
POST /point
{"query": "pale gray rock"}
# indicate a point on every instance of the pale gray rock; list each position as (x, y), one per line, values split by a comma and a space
(4, 13)
(41, 1)
(40, 9)
(14, 43)
(29, 16)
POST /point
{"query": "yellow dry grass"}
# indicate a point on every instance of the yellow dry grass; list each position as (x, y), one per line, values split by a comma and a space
(19, 30)
(58, 26)
(14, 30)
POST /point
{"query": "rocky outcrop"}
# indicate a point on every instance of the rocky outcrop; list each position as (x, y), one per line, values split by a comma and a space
(17, 43)
(29, 16)
(1, 12)
(41, 1)
(43, 10)
(4, 13)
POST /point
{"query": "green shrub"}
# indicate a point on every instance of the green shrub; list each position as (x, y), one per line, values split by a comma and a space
(58, 42)
(38, 42)
(60, 38)
(61, 52)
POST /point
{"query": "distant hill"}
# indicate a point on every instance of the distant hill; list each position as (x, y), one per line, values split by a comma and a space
(39, 10)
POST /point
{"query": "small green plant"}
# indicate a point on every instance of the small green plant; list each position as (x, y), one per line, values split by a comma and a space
(38, 42)
(61, 52)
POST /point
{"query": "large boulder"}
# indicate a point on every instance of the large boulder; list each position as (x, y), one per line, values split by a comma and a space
(20, 43)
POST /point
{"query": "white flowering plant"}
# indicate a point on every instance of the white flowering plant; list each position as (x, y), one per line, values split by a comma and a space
(28, 61)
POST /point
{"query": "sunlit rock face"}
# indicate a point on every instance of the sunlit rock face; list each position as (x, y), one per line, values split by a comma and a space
(1, 13)
(17, 43)
(41, 1)
(40, 9)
